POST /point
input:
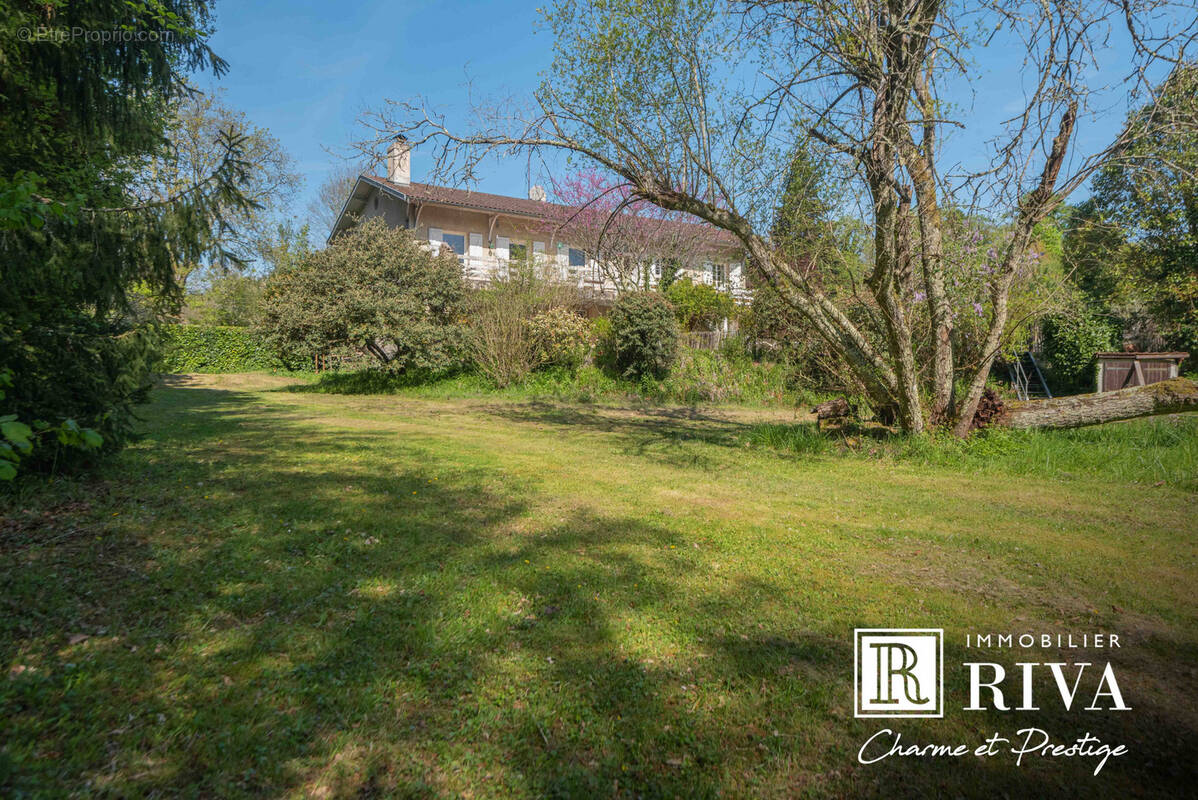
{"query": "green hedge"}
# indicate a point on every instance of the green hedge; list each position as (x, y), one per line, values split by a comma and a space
(213, 348)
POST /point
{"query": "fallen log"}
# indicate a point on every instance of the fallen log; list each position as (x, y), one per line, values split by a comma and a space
(1166, 397)
(836, 407)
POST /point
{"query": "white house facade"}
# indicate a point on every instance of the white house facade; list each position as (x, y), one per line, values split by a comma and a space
(488, 231)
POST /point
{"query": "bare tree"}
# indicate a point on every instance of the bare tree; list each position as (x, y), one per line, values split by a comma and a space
(697, 105)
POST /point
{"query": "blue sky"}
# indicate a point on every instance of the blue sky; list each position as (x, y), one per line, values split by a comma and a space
(306, 69)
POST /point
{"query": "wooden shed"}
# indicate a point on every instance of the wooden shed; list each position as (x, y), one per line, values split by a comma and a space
(1122, 370)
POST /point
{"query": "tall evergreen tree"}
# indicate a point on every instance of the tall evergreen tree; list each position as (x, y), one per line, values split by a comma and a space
(89, 257)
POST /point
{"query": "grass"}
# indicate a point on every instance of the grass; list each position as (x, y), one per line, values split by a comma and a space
(279, 593)
(1147, 452)
(699, 377)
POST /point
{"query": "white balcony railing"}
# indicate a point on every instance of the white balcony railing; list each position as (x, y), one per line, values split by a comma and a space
(481, 270)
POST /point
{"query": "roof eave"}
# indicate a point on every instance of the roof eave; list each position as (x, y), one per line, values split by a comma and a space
(382, 187)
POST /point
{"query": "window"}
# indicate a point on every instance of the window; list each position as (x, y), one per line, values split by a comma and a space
(517, 251)
(719, 274)
(456, 242)
(578, 258)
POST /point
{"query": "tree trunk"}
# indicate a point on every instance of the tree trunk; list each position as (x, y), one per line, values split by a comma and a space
(1167, 397)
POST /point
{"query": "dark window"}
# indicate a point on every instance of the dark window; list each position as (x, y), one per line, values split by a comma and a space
(718, 275)
(517, 252)
(578, 258)
(456, 242)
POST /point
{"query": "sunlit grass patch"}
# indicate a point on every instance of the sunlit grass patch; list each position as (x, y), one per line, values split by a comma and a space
(286, 594)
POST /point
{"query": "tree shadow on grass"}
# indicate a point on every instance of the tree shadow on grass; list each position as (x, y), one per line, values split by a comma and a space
(281, 608)
(677, 437)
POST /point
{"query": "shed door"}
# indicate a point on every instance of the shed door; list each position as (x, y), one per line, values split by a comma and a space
(1155, 371)
(1117, 374)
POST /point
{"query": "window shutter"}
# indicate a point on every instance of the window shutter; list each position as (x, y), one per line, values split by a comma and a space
(502, 245)
(734, 275)
(434, 238)
(476, 245)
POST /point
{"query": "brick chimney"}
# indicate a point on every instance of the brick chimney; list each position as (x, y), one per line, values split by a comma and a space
(399, 161)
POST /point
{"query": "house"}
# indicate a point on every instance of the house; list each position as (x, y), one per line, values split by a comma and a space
(487, 231)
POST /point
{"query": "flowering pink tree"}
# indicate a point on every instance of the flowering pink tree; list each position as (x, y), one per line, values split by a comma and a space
(622, 234)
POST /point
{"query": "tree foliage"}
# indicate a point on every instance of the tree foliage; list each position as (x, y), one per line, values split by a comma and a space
(1134, 244)
(375, 290)
(1070, 342)
(233, 297)
(90, 259)
(244, 223)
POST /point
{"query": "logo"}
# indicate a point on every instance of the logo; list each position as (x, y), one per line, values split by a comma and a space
(898, 673)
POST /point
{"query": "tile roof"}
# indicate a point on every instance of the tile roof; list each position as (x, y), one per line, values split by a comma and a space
(502, 204)
(443, 195)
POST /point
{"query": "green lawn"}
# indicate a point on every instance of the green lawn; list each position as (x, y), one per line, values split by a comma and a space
(298, 594)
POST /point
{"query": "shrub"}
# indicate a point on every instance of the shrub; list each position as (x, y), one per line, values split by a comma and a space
(644, 335)
(376, 290)
(560, 337)
(18, 441)
(215, 348)
(697, 305)
(1070, 342)
(501, 339)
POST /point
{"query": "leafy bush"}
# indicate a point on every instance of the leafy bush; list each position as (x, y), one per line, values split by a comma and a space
(735, 348)
(215, 348)
(699, 306)
(376, 290)
(773, 329)
(560, 337)
(1070, 342)
(18, 441)
(644, 335)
